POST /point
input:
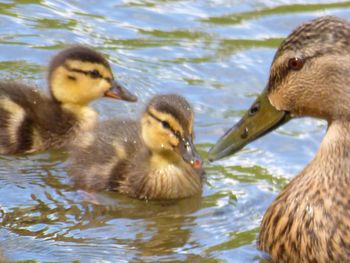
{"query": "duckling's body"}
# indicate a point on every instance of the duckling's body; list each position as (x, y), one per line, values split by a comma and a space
(143, 160)
(310, 219)
(31, 121)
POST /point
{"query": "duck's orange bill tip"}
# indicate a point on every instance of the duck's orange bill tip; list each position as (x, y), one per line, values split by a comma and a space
(197, 164)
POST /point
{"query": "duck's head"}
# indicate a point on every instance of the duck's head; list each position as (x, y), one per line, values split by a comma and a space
(79, 75)
(309, 76)
(167, 129)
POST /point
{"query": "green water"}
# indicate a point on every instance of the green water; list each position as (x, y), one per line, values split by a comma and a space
(217, 54)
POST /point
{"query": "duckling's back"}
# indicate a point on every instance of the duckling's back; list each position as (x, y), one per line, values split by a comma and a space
(113, 143)
(28, 118)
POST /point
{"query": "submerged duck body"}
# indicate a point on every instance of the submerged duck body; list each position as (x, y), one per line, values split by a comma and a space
(31, 121)
(153, 158)
(310, 219)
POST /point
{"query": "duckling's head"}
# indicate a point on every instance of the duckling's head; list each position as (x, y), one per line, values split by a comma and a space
(309, 76)
(79, 75)
(167, 129)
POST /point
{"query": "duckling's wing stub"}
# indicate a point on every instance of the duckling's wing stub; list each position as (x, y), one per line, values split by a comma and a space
(101, 164)
(30, 121)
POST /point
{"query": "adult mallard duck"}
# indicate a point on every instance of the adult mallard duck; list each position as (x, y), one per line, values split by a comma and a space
(31, 121)
(310, 74)
(153, 158)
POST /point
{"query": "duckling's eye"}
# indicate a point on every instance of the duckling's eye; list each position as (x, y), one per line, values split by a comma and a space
(295, 63)
(166, 125)
(94, 74)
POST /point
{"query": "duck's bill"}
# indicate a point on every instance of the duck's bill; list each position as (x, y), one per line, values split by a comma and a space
(259, 120)
(118, 92)
(189, 153)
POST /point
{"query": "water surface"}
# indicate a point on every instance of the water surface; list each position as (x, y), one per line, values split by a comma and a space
(217, 54)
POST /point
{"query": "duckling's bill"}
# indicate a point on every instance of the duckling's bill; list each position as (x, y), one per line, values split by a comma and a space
(259, 120)
(189, 153)
(117, 91)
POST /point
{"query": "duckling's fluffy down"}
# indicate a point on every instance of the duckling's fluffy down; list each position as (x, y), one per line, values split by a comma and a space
(30, 120)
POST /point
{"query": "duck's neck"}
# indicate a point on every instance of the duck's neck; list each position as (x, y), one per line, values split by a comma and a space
(328, 172)
(332, 160)
(303, 221)
(170, 178)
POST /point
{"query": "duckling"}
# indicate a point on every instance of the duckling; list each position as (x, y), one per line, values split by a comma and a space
(153, 158)
(31, 121)
(309, 221)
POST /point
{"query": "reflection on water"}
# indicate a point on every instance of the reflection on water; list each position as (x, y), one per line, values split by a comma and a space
(217, 54)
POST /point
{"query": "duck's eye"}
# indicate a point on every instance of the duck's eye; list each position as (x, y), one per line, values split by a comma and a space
(95, 74)
(295, 63)
(166, 125)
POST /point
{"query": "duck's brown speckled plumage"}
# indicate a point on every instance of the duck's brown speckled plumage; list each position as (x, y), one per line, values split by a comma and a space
(310, 219)
(117, 158)
(31, 121)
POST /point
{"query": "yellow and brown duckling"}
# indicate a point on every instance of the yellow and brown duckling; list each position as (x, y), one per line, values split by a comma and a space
(31, 121)
(310, 74)
(153, 158)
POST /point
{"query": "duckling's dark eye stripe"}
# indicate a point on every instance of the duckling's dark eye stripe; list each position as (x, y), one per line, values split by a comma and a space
(176, 133)
(92, 73)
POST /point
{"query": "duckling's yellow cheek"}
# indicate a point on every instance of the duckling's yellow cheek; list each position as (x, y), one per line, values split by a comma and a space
(161, 140)
(155, 139)
(173, 140)
(103, 86)
(148, 132)
(89, 86)
(89, 89)
(70, 91)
